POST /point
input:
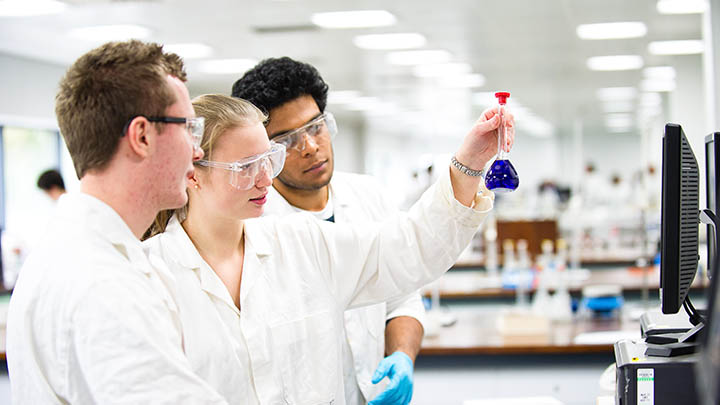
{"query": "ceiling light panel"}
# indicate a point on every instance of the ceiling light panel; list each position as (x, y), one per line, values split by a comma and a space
(354, 19)
(28, 8)
(682, 6)
(617, 30)
(390, 41)
(659, 72)
(686, 47)
(615, 62)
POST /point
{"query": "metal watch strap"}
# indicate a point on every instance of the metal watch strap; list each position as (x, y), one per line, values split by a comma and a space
(466, 170)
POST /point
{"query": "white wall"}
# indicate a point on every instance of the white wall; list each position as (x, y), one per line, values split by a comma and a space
(28, 91)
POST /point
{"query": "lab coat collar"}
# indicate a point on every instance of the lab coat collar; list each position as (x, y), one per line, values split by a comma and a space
(340, 196)
(183, 252)
(81, 209)
(256, 241)
(182, 249)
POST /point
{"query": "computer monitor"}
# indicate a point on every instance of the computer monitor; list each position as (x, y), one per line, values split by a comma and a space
(712, 178)
(708, 367)
(679, 221)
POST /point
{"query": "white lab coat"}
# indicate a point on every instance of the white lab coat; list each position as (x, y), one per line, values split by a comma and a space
(299, 276)
(356, 199)
(91, 321)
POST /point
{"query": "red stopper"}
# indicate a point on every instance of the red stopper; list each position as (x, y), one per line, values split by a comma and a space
(502, 96)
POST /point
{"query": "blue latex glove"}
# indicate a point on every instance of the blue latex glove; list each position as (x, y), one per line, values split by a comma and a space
(399, 369)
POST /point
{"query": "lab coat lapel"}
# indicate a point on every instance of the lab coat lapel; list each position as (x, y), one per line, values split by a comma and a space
(183, 251)
(342, 206)
(257, 253)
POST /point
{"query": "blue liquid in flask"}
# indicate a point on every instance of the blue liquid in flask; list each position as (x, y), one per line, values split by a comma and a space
(502, 177)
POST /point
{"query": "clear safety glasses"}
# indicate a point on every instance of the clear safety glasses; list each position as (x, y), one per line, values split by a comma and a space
(194, 126)
(323, 125)
(245, 173)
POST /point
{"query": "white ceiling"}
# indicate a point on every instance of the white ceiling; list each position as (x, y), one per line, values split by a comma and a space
(528, 47)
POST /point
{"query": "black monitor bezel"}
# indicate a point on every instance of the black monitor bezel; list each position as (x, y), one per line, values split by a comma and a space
(680, 174)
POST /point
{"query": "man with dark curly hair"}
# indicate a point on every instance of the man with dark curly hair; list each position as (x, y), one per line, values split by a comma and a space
(381, 340)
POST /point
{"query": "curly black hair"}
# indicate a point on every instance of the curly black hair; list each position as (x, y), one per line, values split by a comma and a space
(275, 81)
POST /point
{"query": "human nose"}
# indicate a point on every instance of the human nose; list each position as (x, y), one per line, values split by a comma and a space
(198, 153)
(263, 178)
(310, 144)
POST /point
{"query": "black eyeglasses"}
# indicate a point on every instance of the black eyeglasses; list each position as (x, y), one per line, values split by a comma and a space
(195, 126)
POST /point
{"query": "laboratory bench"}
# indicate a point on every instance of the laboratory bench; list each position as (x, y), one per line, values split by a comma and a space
(476, 284)
(482, 333)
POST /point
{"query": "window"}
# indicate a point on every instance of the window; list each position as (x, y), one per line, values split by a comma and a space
(26, 153)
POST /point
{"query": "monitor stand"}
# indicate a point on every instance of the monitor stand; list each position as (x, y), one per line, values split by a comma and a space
(674, 344)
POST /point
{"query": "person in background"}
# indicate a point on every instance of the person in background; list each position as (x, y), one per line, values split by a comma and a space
(91, 319)
(52, 184)
(594, 188)
(380, 340)
(261, 299)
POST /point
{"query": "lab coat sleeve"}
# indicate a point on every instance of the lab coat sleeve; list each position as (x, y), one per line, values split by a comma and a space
(370, 263)
(130, 351)
(407, 305)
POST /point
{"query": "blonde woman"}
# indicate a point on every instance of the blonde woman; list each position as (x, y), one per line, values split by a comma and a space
(261, 301)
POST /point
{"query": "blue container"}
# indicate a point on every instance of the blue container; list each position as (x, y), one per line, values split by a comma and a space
(502, 177)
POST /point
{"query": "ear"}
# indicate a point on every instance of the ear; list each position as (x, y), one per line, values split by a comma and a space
(140, 136)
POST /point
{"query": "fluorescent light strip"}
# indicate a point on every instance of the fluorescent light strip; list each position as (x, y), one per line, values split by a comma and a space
(28, 8)
(421, 57)
(659, 72)
(226, 66)
(105, 33)
(687, 47)
(192, 50)
(354, 19)
(617, 30)
(390, 41)
(682, 6)
(615, 62)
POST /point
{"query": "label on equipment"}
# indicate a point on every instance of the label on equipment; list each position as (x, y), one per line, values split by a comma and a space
(645, 386)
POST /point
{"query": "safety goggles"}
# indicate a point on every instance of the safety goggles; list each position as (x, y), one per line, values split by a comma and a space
(324, 124)
(244, 174)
